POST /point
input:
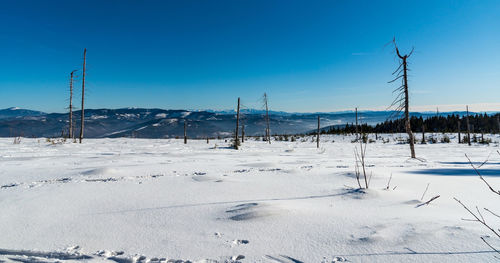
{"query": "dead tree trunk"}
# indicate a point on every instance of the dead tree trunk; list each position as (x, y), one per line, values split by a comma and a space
(70, 130)
(407, 106)
(498, 123)
(236, 140)
(402, 100)
(185, 132)
(357, 131)
(459, 137)
(423, 134)
(83, 96)
(468, 125)
(317, 137)
(268, 130)
(242, 133)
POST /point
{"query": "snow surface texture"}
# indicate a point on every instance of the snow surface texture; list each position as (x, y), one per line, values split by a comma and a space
(138, 200)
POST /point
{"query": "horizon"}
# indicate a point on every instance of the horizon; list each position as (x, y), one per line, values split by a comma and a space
(474, 108)
(203, 55)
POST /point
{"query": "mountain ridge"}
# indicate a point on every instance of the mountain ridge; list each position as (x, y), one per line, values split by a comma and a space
(161, 123)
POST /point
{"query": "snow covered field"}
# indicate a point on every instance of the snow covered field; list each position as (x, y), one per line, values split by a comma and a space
(129, 200)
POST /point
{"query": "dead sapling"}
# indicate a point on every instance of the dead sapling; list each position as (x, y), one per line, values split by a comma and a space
(480, 219)
(389, 184)
(481, 177)
(361, 164)
(425, 191)
(478, 216)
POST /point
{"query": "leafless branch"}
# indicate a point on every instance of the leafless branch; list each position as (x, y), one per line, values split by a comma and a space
(491, 212)
(428, 202)
(488, 244)
(477, 218)
(481, 177)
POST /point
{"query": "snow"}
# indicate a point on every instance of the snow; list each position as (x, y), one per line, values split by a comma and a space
(161, 115)
(128, 116)
(140, 200)
(98, 117)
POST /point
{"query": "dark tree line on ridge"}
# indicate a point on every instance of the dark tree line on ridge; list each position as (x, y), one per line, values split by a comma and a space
(479, 123)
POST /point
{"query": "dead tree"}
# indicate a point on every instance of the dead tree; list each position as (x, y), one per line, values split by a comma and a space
(360, 165)
(70, 130)
(83, 96)
(242, 133)
(468, 126)
(185, 132)
(498, 123)
(401, 102)
(236, 140)
(423, 134)
(268, 131)
(459, 137)
(357, 132)
(317, 137)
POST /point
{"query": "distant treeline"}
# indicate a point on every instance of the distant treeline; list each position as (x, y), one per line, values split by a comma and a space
(479, 123)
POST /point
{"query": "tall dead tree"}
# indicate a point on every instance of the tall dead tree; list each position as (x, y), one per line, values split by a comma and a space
(423, 134)
(70, 129)
(357, 131)
(242, 133)
(498, 123)
(459, 137)
(317, 137)
(236, 140)
(468, 126)
(185, 132)
(268, 131)
(401, 102)
(83, 96)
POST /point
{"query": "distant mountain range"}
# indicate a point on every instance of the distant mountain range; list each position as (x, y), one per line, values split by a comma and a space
(160, 123)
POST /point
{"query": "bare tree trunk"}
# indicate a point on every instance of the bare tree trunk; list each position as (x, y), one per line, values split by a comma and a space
(268, 130)
(70, 132)
(459, 137)
(83, 96)
(185, 132)
(468, 126)
(243, 133)
(498, 123)
(357, 131)
(317, 137)
(407, 109)
(423, 133)
(236, 140)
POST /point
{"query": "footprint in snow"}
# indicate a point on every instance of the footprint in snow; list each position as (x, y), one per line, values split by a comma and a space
(240, 241)
(282, 259)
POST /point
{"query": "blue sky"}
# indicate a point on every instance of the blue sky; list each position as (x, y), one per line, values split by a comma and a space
(307, 55)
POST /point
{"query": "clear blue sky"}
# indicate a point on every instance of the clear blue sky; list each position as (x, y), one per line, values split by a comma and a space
(307, 55)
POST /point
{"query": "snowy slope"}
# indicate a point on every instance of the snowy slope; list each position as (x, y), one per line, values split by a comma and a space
(119, 199)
